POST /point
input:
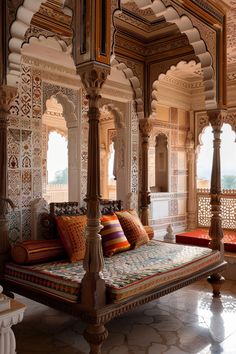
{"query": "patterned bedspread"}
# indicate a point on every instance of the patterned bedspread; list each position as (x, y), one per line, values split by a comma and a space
(126, 274)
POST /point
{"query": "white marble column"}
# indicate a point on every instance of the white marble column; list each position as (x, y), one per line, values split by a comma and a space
(191, 182)
(216, 118)
(9, 318)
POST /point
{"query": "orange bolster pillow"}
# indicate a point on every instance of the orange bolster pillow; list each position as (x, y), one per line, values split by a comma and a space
(37, 251)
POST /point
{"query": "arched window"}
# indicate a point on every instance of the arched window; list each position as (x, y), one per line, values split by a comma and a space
(161, 163)
(228, 164)
(57, 168)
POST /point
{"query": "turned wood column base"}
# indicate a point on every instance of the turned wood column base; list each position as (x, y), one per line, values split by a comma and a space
(95, 335)
(216, 281)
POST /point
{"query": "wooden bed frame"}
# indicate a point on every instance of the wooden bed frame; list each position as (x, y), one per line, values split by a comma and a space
(97, 317)
(93, 69)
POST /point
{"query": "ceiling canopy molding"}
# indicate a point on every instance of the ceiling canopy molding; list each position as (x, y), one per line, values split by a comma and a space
(135, 83)
(148, 8)
(49, 19)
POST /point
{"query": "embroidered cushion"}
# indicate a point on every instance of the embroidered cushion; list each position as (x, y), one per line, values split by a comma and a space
(132, 227)
(37, 251)
(113, 237)
(72, 234)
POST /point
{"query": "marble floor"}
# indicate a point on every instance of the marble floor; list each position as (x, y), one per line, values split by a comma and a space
(184, 322)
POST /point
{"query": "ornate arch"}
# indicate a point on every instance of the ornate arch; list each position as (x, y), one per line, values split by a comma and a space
(68, 107)
(135, 84)
(169, 69)
(127, 176)
(74, 141)
(186, 27)
(20, 32)
(202, 122)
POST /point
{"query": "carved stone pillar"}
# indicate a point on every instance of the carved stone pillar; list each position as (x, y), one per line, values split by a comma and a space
(6, 95)
(216, 118)
(93, 287)
(191, 182)
(145, 126)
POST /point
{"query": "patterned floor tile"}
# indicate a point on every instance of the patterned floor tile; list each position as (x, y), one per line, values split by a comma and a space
(184, 322)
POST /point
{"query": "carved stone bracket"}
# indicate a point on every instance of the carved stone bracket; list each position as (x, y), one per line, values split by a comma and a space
(145, 126)
(216, 118)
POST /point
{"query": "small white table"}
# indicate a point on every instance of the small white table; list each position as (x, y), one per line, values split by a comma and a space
(8, 318)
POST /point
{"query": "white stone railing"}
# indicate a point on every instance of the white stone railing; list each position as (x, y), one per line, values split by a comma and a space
(56, 193)
(228, 208)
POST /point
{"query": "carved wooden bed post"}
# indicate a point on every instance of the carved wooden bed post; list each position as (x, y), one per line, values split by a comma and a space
(92, 46)
(145, 126)
(216, 118)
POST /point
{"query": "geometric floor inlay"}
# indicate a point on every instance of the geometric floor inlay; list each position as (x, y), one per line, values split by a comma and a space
(184, 322)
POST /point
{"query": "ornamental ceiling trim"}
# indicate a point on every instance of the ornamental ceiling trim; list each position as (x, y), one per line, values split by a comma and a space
(47, 66)
(206, 6)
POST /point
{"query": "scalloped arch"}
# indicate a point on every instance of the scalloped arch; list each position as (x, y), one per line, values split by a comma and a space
(18, 31)
(181, 64)
(135, 84)
(186, 27)
(117, 114)
(68, 107)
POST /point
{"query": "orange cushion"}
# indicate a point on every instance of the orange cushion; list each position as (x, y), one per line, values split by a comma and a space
(150, 232)
(132, 227)
(113, 237)
(72, 234)
(37, 251)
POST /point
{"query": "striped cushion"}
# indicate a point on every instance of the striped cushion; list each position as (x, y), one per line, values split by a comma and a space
(37, 251)
(113, 237)
(133, 228)
(72, 234)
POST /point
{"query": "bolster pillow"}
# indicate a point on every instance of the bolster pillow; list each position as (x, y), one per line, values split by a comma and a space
(37, 251)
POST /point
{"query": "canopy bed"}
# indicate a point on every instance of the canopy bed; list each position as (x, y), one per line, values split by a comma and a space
(127, 279)
(99, 288)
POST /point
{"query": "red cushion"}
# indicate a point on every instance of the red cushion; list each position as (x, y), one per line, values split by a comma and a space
(37, 251)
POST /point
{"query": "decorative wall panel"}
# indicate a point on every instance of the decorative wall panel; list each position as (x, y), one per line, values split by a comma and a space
(24, 151)
(228, 208)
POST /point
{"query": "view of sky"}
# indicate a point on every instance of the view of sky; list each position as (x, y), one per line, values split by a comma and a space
(57, 158)
(58, 155)
(228, 153)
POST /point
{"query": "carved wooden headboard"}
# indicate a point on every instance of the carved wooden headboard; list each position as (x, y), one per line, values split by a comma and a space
(48, 229)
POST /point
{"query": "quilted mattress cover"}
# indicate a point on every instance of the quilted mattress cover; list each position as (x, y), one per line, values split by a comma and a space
(126, 274)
